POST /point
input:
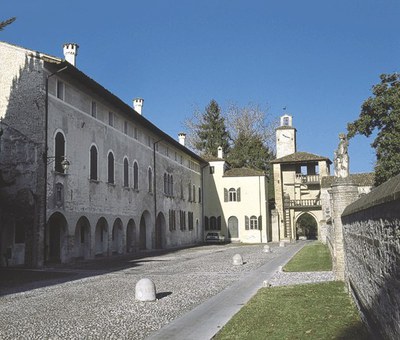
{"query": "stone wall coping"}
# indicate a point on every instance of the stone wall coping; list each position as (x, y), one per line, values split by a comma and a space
(384, 193)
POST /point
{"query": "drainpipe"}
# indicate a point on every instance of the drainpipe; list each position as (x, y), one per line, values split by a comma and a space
(155, 190)
(202, 200)
(45, 159)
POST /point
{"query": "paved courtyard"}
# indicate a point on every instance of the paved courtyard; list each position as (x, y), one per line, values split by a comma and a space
(96, 300)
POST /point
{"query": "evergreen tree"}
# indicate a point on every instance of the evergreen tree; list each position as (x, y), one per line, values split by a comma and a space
(211, 131)
(381, 113)
(249, 151)
(253, 136)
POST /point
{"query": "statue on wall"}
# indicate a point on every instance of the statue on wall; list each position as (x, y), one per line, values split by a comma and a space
(341, 161)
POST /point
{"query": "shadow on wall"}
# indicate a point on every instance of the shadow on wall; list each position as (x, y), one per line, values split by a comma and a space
(21, 164)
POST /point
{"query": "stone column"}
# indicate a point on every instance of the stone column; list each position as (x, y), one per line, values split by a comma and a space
(344, 192)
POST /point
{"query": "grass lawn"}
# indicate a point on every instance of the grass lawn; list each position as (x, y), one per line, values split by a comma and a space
(313, 311)
(314, 257)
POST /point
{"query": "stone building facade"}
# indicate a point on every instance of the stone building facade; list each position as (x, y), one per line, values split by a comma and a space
(297, 180)
(82, 173)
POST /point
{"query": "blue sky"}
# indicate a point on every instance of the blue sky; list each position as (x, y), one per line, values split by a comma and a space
(317, 58)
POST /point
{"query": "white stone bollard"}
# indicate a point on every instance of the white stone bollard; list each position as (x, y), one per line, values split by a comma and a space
(145, 290)
(282, 244)
(237, 260)
(267, 249)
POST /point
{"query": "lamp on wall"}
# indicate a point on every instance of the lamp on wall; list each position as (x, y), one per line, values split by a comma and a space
(65, 163)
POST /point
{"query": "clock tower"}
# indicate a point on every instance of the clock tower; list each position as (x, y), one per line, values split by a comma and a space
(285, 137)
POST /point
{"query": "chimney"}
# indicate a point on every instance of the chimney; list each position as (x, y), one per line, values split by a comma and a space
(138, 104)
(181, 138)
(70, 52)
(220, 153)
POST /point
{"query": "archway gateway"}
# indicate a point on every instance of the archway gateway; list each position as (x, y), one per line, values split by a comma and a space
(306, 227)
(57, 236)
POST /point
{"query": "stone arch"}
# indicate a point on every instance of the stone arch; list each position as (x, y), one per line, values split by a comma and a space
(57, 236)
(160, 231)
(145, 231)
(82, 238)
(306, 226)
(117, 237)
(131, 236)
(233, 227)
(101, 237)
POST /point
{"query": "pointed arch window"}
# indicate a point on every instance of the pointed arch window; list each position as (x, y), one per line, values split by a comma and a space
(135, 176)
(126, 173)
(110, 168)
(150, 180)
(59, 152)
(93, 163)
(166, 184)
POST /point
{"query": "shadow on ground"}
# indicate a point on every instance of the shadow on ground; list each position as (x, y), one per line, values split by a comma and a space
(19, 279)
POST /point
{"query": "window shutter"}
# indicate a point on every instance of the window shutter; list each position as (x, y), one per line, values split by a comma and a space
(260, 222)
(206, 223)
(246, 223)
(238, 194)
(225, 195)
(219, 223)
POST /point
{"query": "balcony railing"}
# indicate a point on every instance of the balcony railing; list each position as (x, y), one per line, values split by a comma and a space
(305, 203)
(300, 178)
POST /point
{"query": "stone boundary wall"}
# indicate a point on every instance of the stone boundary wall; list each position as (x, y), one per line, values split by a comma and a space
(371, 233)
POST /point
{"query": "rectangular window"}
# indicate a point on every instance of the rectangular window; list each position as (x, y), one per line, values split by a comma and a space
(135, 132)
(212, 169)
(94, 109)
(126, 127)
(110, 118)
(60, 90)
(190, 217)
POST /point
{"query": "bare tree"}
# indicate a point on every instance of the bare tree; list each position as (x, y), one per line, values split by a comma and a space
(251, 121)
(7, 22)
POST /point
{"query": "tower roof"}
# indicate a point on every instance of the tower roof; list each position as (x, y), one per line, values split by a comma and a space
(301, 157)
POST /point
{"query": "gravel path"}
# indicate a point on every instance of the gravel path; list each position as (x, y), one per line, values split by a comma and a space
(104, 306)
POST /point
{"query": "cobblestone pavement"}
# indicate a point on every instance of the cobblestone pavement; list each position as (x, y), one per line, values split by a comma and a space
(104, 307)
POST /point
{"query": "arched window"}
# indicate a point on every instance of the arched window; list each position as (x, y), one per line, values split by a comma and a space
(126, 173)
(110, 168)
(253, 222)
(93, 163)
(190, 192)
(213, 223)
(199, 195)
(165, 184)
(135, 176)
(171, 191)
(232, 195)
(150, 180)
(59, 152)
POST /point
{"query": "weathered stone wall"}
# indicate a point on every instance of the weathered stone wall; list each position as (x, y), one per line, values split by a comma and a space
(22, 111)
(371, 228)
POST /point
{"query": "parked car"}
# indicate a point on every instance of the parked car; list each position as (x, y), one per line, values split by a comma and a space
(213, 237)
